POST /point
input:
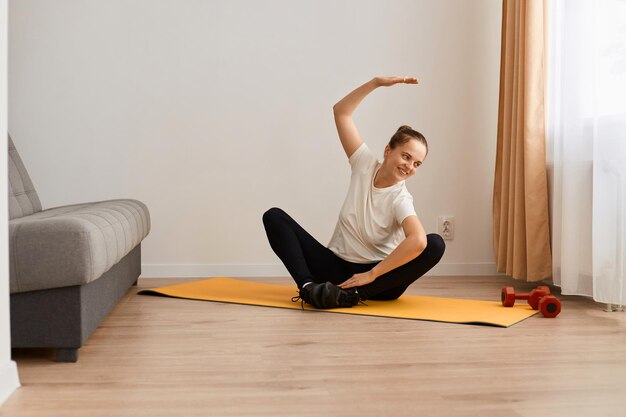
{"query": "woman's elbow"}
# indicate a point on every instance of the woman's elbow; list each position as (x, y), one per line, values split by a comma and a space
(338, 109)
(419, 244)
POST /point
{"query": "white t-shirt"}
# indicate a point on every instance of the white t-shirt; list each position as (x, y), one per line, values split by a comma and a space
(370, 221)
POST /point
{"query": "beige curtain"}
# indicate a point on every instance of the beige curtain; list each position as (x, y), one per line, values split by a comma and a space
(520, 198)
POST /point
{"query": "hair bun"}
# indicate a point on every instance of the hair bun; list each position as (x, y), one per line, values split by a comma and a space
(404, 128)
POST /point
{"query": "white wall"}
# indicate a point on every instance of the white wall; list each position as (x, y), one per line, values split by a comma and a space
(9, 379)
(212, 112)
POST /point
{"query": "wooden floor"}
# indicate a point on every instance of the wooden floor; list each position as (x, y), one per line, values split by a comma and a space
(157, 356)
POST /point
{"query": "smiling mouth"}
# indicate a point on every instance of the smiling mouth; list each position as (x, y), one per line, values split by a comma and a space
(403, 171)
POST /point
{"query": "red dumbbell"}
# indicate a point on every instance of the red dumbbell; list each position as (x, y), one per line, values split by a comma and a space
(539, 299)
(533, 297)
(550, 306)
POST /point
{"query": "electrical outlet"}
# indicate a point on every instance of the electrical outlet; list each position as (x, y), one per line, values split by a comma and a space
(445, 226)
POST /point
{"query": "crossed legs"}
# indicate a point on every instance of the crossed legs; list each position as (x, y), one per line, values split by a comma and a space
(307, 260)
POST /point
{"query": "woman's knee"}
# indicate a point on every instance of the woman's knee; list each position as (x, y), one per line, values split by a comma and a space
(273, 215)
(435, 246)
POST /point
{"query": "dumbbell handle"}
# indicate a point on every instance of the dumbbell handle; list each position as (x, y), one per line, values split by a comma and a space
(526, 295)
(522, 296)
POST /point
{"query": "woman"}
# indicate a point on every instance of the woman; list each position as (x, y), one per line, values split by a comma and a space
(379, 246)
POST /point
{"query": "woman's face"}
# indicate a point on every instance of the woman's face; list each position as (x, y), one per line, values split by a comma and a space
(400, 163)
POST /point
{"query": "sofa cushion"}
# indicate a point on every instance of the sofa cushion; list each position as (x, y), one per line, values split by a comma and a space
(73, 245)
(23, 199)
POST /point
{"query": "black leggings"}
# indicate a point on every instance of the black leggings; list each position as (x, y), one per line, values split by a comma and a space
(308, 260)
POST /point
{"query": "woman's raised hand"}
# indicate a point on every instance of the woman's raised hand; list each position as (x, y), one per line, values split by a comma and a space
(343, 109)
(389, 81)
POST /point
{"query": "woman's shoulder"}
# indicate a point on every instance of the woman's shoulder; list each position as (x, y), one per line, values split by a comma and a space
(403, 194)
(363, 158)
(359, 152)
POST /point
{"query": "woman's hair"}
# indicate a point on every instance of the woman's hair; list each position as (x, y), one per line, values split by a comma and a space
(404, 134)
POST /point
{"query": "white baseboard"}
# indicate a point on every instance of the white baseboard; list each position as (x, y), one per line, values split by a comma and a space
(9, 380)
(278, 270)
(461, 269)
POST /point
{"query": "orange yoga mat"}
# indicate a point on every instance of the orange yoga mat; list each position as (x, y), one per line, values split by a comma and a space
(450, 310)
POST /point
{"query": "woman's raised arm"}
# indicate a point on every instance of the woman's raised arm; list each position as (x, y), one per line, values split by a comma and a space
(348, 133)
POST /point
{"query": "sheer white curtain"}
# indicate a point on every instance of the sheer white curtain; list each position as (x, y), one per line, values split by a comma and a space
(587, 146)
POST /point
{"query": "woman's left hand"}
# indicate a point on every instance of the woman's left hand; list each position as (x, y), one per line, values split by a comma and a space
(358, 280)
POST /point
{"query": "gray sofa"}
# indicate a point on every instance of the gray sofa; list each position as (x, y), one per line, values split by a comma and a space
(69, 266)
